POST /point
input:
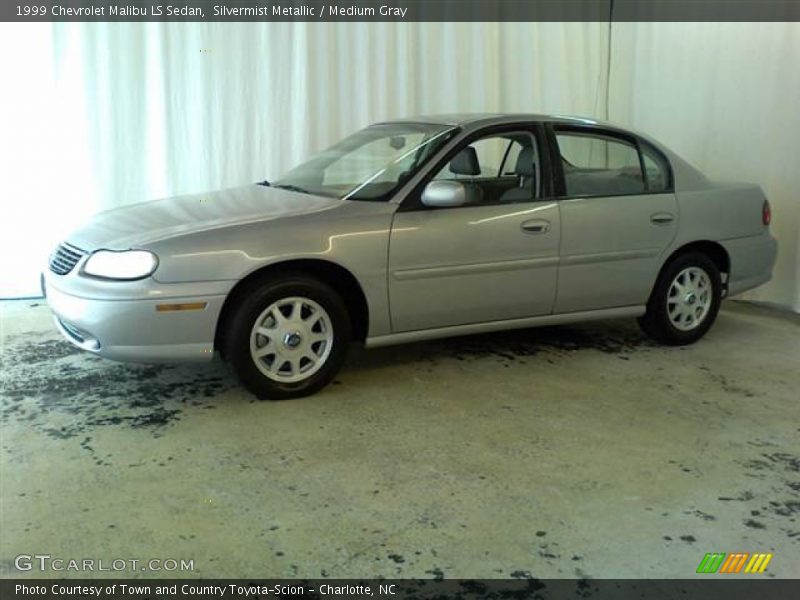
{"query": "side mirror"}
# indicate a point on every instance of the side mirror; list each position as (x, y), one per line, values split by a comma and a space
(442, 194)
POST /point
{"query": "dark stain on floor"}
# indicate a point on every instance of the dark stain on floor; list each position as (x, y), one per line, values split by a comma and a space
(754, 524)
(63, 392)
(701, 515)
(512, 347)
(610, 338)
(724, 382)
(39, 352)
(743, 497)
(780, 507)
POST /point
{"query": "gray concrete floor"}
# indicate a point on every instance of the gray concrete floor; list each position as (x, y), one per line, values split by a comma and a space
(580, 451)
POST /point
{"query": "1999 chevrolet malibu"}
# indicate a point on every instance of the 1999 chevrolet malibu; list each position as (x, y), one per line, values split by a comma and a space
(409, 230)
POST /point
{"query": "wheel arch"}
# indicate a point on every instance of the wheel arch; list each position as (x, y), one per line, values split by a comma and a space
(714, 250)
(330, 273)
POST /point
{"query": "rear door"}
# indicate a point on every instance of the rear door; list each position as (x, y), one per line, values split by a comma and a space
(618, 214)
(493, 259)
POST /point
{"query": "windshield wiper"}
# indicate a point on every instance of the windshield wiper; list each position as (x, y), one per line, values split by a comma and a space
(265, 183)
(291, 188)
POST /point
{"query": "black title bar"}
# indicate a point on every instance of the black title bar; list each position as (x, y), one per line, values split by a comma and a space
(707, 587)
(399, 10)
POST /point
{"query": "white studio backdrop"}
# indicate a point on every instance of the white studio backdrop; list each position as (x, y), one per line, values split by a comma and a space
(94, 116)
(725, 96)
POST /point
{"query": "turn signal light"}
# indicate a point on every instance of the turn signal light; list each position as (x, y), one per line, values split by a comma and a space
(184, 306)
(766, 213)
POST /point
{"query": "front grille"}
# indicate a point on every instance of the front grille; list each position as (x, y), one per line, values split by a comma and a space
(64, 259)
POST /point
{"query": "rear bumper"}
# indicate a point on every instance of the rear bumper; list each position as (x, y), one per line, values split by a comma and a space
(133, 330)
(752, 260)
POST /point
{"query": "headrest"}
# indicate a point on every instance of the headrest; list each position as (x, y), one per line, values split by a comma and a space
(466, 162)
(525, 166)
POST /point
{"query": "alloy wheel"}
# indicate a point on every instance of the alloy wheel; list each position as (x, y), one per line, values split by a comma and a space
(291, 339)
(689, 298)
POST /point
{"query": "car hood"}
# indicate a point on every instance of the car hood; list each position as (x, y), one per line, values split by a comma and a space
(136, 225)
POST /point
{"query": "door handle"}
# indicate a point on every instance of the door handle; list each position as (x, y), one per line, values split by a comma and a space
(661, 218)
(535, 226)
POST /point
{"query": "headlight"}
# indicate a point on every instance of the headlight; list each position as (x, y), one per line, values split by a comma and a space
(128, 264)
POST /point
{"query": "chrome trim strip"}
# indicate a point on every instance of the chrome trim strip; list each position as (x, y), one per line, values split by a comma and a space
(585, 259)
(474, 269)
(73, 248)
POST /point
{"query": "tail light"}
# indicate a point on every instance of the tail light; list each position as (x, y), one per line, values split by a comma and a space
(766, 213)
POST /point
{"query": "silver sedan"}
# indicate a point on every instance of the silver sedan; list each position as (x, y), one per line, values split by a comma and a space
(409, 230)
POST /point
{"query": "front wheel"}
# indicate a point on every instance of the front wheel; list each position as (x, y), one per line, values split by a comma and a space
(288, 337)
(685, 300)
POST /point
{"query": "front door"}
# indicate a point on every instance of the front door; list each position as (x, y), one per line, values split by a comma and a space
(493, 258)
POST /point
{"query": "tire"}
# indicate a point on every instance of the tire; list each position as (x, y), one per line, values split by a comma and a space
(685, 300)
(287, 337)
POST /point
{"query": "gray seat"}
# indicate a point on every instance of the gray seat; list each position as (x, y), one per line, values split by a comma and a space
(525, 169)
(466, 163)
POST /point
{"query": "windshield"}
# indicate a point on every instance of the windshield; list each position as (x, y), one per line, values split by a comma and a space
(370, 164)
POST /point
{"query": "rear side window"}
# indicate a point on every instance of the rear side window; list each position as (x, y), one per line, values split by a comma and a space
(599, 165)
(656, 170)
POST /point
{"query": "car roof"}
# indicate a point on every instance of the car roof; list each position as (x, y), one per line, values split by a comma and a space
(464, 119)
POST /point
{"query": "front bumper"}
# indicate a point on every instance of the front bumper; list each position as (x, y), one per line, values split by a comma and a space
(133, 329)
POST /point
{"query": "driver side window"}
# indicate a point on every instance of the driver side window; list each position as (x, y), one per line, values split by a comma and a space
(496, 169)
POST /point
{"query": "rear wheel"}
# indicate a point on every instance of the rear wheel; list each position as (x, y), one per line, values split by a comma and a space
(288, 338)
(685, 300)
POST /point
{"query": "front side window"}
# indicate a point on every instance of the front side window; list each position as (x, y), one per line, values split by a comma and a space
(599, 165)
(497, 169)
(370, 164)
